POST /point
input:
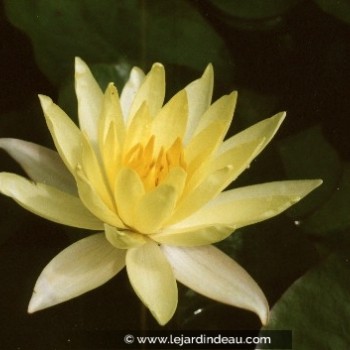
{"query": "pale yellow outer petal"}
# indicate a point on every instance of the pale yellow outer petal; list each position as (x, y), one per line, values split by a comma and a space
(199, 150)
(248, 205)
(83, 266)
(221, 110)
(124, 239)
(66, 135)
(48, 202)
(130, 89)
(90, 99)
(151, 92)
(215, 175)
(199, 94)
(215, 275)
(266, 129)
(193, 236)
(40, 163)
(94, 203)
(152, 278)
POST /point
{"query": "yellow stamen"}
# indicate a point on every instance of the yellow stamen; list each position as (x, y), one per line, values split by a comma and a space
(154, 168)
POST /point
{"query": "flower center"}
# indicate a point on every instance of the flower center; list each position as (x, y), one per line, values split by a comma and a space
(153, 167)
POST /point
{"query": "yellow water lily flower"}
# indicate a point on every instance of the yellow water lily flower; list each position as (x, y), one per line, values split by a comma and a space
(150, 177)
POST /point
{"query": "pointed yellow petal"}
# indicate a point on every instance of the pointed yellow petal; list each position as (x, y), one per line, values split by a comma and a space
(222, 109)
(152, 91)
(176, 179)
(94, 203)
(266, 129)
(203, 145)
(248, 205)
(48, 202)
(66, 135)
(139, 130)
(193, 236)
(130, 89)
(237, 158)
(153, 281)
(170, 123)
(215, 177)
(111, 154)
(83, 266)
(199, 94)
(215, 275)
(154, 208)
(202, 194)
(111, 113)
(124, 239)
(128, 191)
(40, 163)
(91, 168)
(90, 98)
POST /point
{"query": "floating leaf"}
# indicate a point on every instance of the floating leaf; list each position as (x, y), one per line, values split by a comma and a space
(254, 9)
(317, 307)
(309, 155)
(111, 31)
(339, 9)
(333, 216)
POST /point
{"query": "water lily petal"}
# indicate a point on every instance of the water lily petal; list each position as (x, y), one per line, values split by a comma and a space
(174, 113)
(265, 129)
(83, 266)
(193, 236)
(153, 280)
(110, 152)
(237, 159)
(176, 179)
(40, 163)
(128, 191)
(205, 143)
(66, 135)
(202, 194)
(137, 76)
(48, 202)
(90, 98)
(199, 94)
(94, 203)
(139, 129)
(152, 91)
(222, 109)
(212, 273)
(248, 205)
(91, 167)
(111, 113)
(154, 208)
(124, 239)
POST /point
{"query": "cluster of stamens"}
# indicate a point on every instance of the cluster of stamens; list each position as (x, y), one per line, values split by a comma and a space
(154, 168)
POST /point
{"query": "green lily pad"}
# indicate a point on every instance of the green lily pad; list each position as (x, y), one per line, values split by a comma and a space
(333, 216)
(109, 31)
(339, 9)
(254, 9)
(317, 307)
(308, 155)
